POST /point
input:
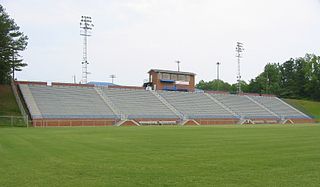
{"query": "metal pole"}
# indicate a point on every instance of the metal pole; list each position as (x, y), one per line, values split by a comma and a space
(239, 50)
(178, 63)
(218, 63)
(85, 25)
(218, 78)
(112, 78)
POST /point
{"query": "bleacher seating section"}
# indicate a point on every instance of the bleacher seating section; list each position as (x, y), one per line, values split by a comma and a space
(65, 102)
(72, 102)
(138, 104)
(243, 106)
(282, 109)
(195, 105)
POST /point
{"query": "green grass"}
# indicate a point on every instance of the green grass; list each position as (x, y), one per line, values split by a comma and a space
(255, 155)
(311, 108)
(8, 104)
(9, 107)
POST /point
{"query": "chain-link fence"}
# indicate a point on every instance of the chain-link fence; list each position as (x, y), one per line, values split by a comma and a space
(13, 121)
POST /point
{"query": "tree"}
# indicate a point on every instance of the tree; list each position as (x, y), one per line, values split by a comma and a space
(287, 80)
(296, 78)
(12, 41)
(214, 85)
(268, 82)
(312, 87)
(234, 87)
(219, 85)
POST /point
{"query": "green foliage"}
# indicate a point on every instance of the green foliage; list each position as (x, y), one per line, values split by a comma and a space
(219, 85)
(214, 85)
(253, 155)
(296, 78)
(12, 41)
(268, 82)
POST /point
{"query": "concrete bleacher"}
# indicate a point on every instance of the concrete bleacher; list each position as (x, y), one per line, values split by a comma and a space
(138, 104)
(243, 106)
(195, 105)
(279, 107)
(64, 102)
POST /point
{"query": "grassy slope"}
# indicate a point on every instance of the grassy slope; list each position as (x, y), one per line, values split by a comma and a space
(265, 155)
(309, 107)
(8, 104)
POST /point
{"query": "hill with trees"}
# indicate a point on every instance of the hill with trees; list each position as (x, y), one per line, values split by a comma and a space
(296, 78)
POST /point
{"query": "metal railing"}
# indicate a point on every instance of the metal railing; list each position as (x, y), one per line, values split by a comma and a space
(14, 121)
(20, 105)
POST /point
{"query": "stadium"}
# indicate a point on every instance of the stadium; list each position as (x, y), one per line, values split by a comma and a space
(127, 117)
(168, 98)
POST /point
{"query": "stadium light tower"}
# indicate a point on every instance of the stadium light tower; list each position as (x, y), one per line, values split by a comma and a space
(239, 50)
(85, 26)
(178, 63)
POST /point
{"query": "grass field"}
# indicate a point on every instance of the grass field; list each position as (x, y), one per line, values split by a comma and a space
(255, 155)
(8, 105)
(311, 108)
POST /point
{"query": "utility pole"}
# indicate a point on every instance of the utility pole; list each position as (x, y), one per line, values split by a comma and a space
(85, 26)
(218, 64)
(112, 77)
(239, 50)
(178, 63)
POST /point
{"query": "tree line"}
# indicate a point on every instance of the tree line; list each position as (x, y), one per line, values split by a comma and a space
(297, 78)
(12, 41)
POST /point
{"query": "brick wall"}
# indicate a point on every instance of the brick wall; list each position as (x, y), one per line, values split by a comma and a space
(72, 122)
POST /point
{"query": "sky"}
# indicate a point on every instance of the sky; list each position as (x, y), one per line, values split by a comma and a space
(130, 37)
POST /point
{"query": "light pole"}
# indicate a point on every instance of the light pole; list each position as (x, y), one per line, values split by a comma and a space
(218, 80)
(178, 63)
(112, 77)
(239, 50)
(85, 26)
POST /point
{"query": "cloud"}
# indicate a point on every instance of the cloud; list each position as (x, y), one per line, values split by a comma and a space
(132, 36)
